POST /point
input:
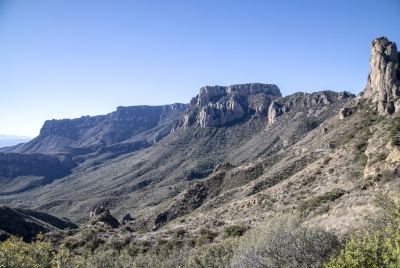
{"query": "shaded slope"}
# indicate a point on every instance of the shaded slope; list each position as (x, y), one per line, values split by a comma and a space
(28, 223)
(22, 172)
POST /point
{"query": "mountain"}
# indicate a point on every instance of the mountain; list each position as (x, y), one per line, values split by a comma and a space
(145, 181)
(130, 127)
(11, 140)
(234, 155)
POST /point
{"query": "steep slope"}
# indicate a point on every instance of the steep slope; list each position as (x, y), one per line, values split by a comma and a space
(22, 172)
(28, 223)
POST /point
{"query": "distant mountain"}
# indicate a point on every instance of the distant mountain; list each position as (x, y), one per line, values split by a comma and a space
(12, 140)
(125, 130)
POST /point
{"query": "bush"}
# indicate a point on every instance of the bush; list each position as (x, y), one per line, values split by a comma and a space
(205, 238)
(214, 255)
(284, 242)
(16, 253)
(379, 247)
(306, 207)
(232, 230)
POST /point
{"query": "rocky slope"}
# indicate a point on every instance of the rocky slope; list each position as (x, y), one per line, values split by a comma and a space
(28, 223)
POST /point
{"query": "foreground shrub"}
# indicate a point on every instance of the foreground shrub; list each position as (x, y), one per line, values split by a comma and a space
(284, 242)
(39, 254)
(380, 245)
(214, 255)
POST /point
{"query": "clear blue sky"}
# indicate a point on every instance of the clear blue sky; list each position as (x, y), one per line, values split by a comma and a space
(68, 58)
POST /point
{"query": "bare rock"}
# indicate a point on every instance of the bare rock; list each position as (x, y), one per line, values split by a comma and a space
(274, 110)
(384, 78)
(345, 112)
(218, 105)
(102, 217)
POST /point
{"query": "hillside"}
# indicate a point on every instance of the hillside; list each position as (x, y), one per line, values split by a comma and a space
(29, 223)
(236, 156)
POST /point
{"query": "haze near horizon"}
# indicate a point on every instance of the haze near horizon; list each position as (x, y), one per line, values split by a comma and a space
(67, 59)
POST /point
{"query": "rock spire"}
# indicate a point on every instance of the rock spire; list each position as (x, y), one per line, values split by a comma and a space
(383, 85)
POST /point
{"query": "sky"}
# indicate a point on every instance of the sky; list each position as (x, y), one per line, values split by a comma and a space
(69, 58)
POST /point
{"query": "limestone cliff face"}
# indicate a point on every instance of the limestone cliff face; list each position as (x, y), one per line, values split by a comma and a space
(218, 105)
(314, 103)
(383, 83)
(94, 132)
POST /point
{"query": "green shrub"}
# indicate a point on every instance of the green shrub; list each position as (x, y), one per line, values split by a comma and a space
(232, 230)
(327, 160)
(178, 233)
(205, 238)
(15, 253)
(377, 248)
(306, 207)
(381, 156)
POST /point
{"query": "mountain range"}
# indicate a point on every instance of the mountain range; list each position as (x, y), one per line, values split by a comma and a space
(239, 153)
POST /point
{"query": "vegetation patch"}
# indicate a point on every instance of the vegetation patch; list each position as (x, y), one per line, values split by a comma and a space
(306, 207)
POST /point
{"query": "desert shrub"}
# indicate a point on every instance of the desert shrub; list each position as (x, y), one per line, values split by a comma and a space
(232, 230)
(381, 156)
(306, 207)
(38, 254)
(176, 258)
(213, 255)
(205, 238)
(379, 246)
(284, 242)
(178, 233)
(327, 160)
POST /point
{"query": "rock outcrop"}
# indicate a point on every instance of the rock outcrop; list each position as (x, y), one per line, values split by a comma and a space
(345, 112)
(218, 105)
(383, 83)
(103, 218)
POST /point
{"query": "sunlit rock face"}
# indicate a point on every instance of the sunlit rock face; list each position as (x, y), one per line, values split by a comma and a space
(218, 105)
(383, 83)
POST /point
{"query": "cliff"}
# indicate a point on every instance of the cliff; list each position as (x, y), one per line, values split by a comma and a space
(383, 85)
(219, 105)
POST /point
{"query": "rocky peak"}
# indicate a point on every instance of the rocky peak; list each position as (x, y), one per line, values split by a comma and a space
(383, 83)
(220, 105)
